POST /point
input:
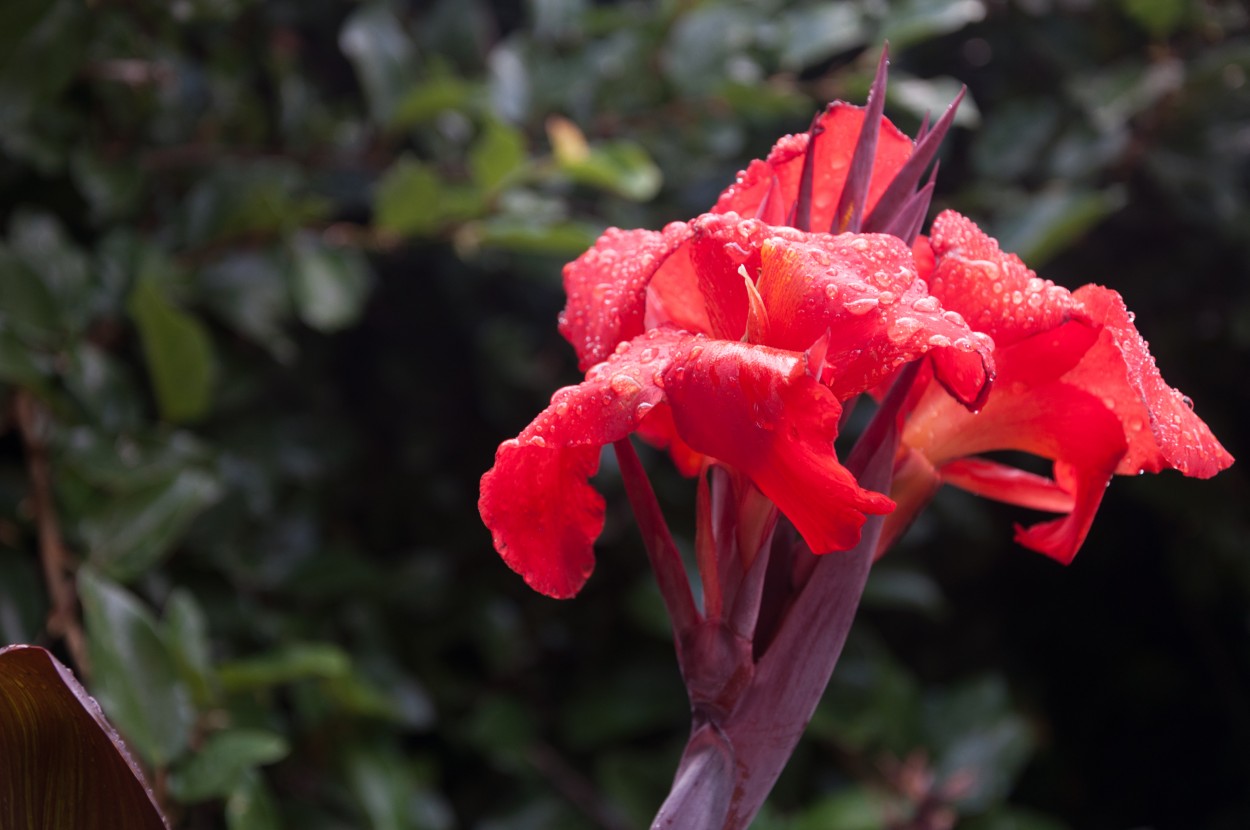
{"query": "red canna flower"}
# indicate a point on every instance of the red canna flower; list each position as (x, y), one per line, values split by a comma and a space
(1076, 384)
(735, 340)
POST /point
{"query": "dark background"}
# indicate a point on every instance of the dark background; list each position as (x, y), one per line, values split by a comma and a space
(280, 276)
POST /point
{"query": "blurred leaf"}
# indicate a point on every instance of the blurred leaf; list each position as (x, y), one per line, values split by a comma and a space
(136, 677)
(811, 34)
(248, 290)
(330, 285)
(931, 96)
(1115, 94)
(705, 41)
(41, 243)
(620, 167)
(127, 535)
(64, 765)
(131, 462)
(527, 236)
(219, 766)
(250, 805)
(1158, 17)
(298, 661)
(413, 201)
(17, 363)
(26, 305)
(1050, 221)
(42, 50)
(913, 21)
(186, 634)
(433, 96)
(893, 587)
(854, 808)
(498, 153)
(502, 729)
(979, 739)
(1010, 144)
(374, 40)
(178, 352)
(390, 794)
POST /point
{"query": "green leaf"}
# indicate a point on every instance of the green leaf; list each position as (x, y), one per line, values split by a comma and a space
(1158, 17)
(413, 201)
(330, 285)
(914, 21)
(64, 765)
(178, 352)
(497, 154)
(527, 236)
(300, 661)
(1049, 222)
(218, 768)
(250, 805)
(374, 40)
(186, 634)
(128, 535)
(620, 167)
(431, 97)
(136, 677)
(27, 307)
(851, 809)
(816, 33)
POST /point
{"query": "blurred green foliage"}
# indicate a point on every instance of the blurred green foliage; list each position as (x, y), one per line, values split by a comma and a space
(276, 277)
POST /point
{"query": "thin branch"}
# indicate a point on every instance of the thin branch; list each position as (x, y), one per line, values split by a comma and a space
(58, 565)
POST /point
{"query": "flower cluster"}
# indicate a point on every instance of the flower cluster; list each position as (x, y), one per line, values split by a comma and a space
(738, 339)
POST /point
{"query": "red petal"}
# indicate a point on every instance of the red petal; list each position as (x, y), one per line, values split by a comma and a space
(658, 430)
(863, 288)
(537, 501)
(1050, 419)
(994, 291)
(1008, 484)
(834, 147)
(607, 287)
(1158, 421)
(759, 411)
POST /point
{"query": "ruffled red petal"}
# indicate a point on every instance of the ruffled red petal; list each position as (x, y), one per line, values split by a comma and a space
(1031, 413)
(994, 291)
(1159, 422)
(607, 288)
(837, 132)
(758, 410)
(537, 501)
(863, 289)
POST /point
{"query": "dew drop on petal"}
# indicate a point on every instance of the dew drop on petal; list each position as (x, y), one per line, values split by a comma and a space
(926, 305)
(562, 408)
(831, 290)
(647, 355)
(624, 385)
(1188, 401)
(1135, 424)
(903, 328)
(939, 341)
(537, 441)
(642, 409)
(862, 306)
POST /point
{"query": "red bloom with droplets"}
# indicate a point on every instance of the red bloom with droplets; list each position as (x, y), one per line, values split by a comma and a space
(735, 340)
(1076, 384)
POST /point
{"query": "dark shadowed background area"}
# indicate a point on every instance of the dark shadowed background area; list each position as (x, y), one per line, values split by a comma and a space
(277, 277)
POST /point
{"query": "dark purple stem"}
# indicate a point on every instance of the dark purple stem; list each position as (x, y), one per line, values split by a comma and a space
(666, 562)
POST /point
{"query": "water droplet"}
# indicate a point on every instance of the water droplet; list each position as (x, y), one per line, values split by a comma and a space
(537, 441)
(647, 355)
(926, 305)
(903, 328)
(1017, 297)
(997, 287)
(1035, 300)
(622, 347)
(695, 351)
(562, 409)
(887, 297)
(1188, 401)
(939, 341)
(624, 385)
(642, 409)
(953, 317)
(1135, 424)
(863, 306)
(831, 290)
(965, 344)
